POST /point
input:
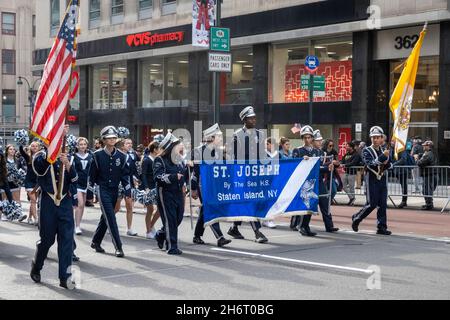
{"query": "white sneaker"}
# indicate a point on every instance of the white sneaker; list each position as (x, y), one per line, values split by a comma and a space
(151, 234)
(131, 233)
(4, 218)
(269, 224)
(78, 231)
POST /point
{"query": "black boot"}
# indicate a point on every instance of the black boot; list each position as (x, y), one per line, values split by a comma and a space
(97, 247)
(198, 240)
(402, 205)
(306, 232)
(222, 242)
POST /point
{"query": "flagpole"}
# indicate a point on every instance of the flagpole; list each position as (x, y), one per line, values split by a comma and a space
(64, 138)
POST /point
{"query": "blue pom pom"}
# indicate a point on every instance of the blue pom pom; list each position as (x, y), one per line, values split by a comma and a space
(71, 142)
(123, 132)
(12, 210)
(21, 137)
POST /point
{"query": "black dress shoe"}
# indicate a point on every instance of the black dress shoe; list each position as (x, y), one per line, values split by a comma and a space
(295, 229)
(222, 242)
(307, 232)
(75, 258)
(97, 248)
(332, 230)
(64, 283)
(355, 226)
(160, 240)
(119, 253)
(384, 232)
(401, 205)
(427, 207)
(198, 240)
(260, 238)
(35, 274)
(175, 251)
(234, 232)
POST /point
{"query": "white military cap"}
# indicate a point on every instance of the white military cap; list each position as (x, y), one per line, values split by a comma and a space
(317, 135)
(109, 132)
(376, 131)
(306, 130)
(212, 131)
(168, 140)
(247, 112)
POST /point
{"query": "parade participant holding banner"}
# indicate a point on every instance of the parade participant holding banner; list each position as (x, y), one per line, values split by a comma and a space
(301, 223)
(108, 169)
(248, 145)
(207, 152)
(169, 173)
(56, 215)
(326, 167)
(377, 161)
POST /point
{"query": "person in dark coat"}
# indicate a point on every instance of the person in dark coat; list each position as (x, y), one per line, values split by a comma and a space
(428, 174)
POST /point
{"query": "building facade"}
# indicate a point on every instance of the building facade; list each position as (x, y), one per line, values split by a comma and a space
(149, 86)
(18, 30)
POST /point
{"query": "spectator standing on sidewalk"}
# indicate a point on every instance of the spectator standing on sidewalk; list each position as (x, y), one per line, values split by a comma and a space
(429, 176)
(417, 152)
(402, 173)
(350, 161)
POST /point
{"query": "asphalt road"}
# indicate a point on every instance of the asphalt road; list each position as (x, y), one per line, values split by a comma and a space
(330, 266)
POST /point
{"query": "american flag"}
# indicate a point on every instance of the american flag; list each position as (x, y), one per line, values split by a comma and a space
(53, 95)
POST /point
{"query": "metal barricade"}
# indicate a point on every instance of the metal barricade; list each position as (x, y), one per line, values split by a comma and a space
(410, 181)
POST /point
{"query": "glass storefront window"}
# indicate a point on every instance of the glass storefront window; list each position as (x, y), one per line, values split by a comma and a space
(288, 61)
(425, 107)
(237, 86)
(109, 90)
(165, 82)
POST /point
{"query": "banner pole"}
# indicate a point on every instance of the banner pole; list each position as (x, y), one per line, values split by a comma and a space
(330, 190)
(190, 197)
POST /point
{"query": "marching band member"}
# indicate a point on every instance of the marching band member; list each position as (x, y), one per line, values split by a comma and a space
(108, 169)
(325, 168)
(248, 144)
(301, 223)
(377, 161)
(83, 161)
(56, 216)
(169, 173)
(209, 151)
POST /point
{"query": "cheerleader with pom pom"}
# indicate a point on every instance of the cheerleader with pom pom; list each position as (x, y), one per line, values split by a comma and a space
(31, 179)
(82, 160)
(148, 183)
(11, 209)
(14, 175)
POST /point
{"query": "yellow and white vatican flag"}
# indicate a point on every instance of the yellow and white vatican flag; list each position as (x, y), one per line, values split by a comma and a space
(402, 97)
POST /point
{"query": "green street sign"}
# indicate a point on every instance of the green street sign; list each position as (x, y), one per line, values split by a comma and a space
(319, 82)
(304, 82)
(220, 39)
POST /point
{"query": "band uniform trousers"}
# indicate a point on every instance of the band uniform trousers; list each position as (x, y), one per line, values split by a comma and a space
(171, 208)
(200, 229)
(56, 221)
(376, 194)
(107, 199)
(324, 206)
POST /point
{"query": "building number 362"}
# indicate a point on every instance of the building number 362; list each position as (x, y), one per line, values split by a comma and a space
(406, 42)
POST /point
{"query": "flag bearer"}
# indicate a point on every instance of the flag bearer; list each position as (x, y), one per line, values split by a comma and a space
(56, 216)
(169, 173)
(376, 160)
(326, 166)
(108, 169)
(207, 152)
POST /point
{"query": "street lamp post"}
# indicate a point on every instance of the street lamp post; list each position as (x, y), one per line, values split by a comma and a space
(31, 93)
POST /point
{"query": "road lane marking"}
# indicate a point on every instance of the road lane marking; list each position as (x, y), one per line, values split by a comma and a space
(304, 262)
